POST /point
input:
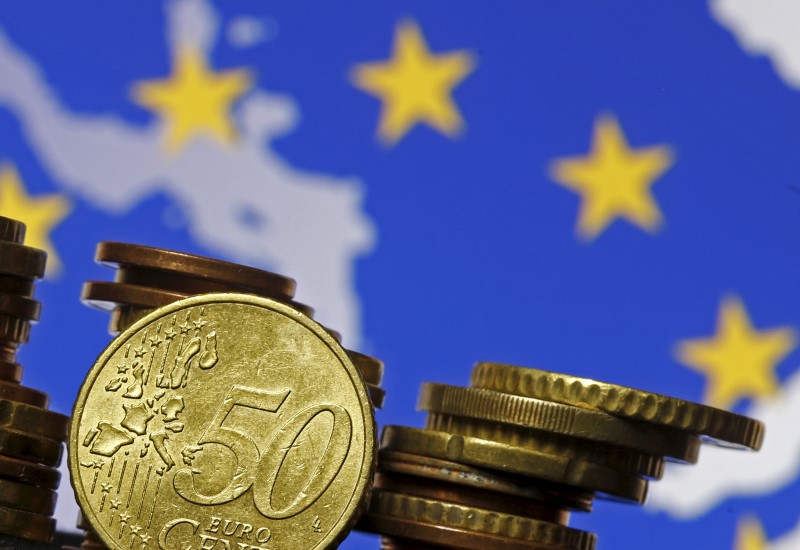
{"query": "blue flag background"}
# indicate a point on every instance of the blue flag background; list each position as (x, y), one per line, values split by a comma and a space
(609, 190)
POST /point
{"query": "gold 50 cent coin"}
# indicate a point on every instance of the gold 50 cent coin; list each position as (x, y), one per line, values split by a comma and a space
(222, 421)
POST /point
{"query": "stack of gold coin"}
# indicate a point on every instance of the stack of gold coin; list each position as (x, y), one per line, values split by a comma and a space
(221, 413)
(31, 436)
(501, 464)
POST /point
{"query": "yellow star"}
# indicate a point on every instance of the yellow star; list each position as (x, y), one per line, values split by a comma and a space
(415, 86)
(194, 100)
(750, 535)
(40, 214)
(739, 360)
(614, 180)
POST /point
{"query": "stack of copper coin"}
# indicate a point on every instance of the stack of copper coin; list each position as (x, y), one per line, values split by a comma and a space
(31, 436)
(502, 463)
(149, 278)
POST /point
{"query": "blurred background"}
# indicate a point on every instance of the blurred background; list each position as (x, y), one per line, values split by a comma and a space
(605, 189)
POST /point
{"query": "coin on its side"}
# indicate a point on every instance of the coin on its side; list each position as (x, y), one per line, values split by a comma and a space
(717, 425)
(558, 418)
(224, 418)
(483, 453)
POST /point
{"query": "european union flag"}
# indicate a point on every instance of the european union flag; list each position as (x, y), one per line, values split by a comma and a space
(604, 189)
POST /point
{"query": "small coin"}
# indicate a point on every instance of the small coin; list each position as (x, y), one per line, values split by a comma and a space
(716, 424)
(467, 496)
(22, 261)
(11, 374)
(107, 296)
(371, 369)
(18, 306)
(442, 535)
(377, 395)
(17, 285)
(33, 420)
(12, 391)
(26, 446)
(507, 458)
(447, 471)
(246, 279)
(28, 472)
(223, 406)
(11, 230)
(27, 498)
(437, 512)
(561, 419)
(35, 527)
(123, 316)
(619, 458)
(13, 329)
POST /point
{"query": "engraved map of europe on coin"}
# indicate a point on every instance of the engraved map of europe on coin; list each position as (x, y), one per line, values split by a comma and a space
(222, 421)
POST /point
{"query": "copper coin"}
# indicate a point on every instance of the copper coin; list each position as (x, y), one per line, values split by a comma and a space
(28, 472)
(23, 394)
(22, 261)
(245, 278)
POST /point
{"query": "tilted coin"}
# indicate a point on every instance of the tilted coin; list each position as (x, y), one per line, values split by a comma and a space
(371, 369)
(410, 532)
(388, 503)
(447, 471)
(377, 395)
(35, 527)
(33, 420)
(28, 472)
(105, 296)
(619, 458)
(27, 498)
(26, 446)
(247, 279)
(716, 424)
(560, 419)
(225, 416)
(507, 458)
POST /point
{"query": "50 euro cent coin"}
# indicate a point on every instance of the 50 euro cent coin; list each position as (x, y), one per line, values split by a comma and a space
(222, 421)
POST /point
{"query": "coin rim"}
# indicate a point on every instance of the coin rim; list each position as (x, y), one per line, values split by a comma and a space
(626, 402)
(355, 506)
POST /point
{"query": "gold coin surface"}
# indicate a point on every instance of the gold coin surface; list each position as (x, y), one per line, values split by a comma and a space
(222, 419)
(716, 424)
(558, 418)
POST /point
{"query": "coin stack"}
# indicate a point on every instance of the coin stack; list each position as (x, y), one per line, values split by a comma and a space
(501, 464)
(149, 278)
(31, 436)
